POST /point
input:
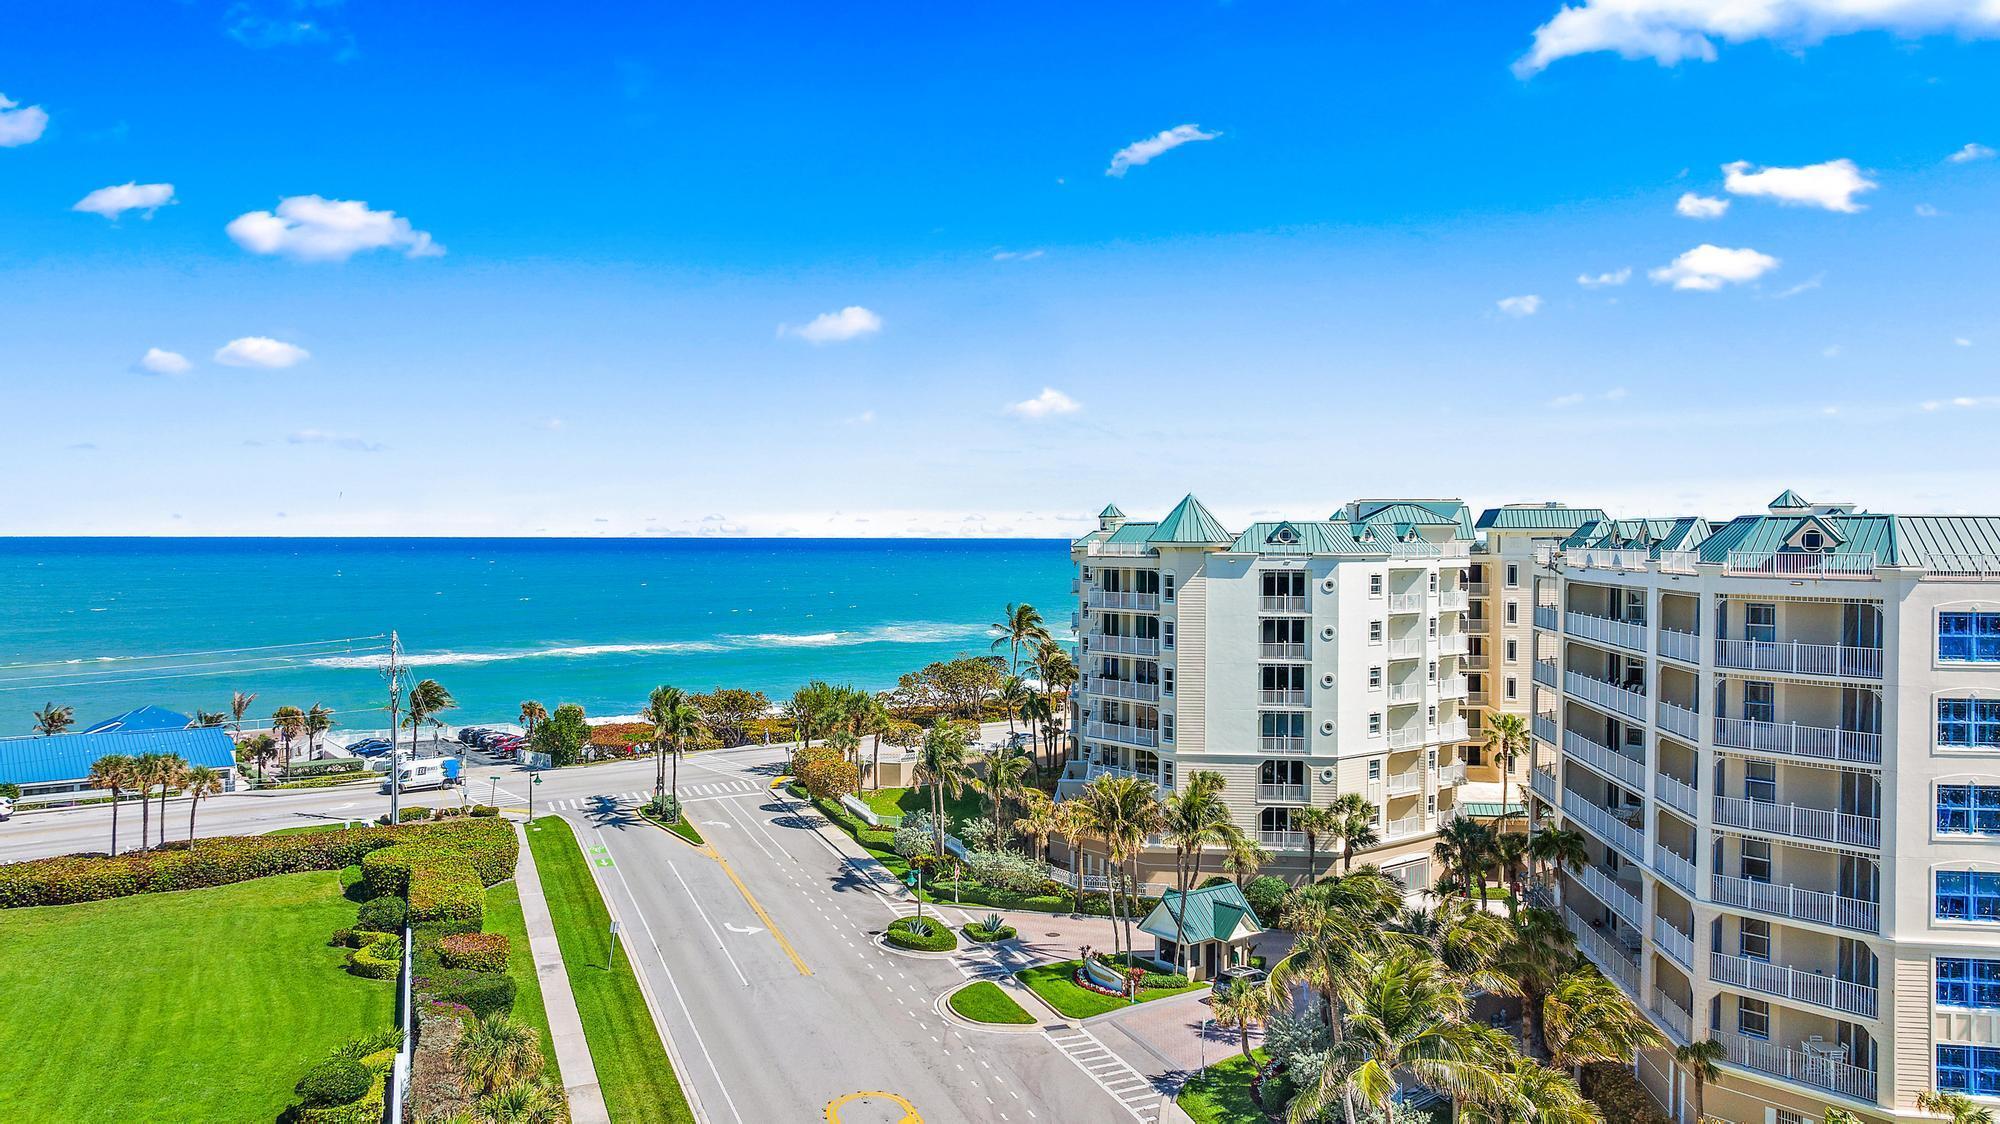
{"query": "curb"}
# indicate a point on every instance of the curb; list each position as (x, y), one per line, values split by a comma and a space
(702, 847)
(942, 1004)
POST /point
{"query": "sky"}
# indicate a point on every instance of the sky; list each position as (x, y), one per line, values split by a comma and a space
(320, 267)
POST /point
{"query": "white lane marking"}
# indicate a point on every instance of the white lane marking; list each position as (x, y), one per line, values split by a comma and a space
(719, 943)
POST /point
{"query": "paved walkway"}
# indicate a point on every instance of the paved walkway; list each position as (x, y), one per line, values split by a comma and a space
(579, 1074)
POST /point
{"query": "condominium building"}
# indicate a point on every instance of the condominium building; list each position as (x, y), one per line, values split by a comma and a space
(1299, 659)
(1780, 739)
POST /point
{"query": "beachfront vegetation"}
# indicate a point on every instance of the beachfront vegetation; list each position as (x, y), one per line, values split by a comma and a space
(676, 725)
(52, 719)
(561, 736)
(986, 1002)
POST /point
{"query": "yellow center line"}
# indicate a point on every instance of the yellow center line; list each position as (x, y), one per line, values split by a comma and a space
(909, 1110)
(770, 925)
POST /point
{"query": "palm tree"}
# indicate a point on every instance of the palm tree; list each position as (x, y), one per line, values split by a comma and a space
(1315, 824)
(842, 741)
(1558, 848)
(810, 709)
(1073, 823)
(115, 773)
(1699, 1059)
(318, 721)
(145, 774)
(872, 719)
(1465, 939)
(497, 1051)
(1019, 625)
(200, 781)
(261, 749)
(1123, 811)
(208, 719)
(1242, 1004)
(1354, 827)
(1531, 1093)
(239, 705)
(1587, 1019)
(1957, 1106)
(1541, 954)
(1195, 817)
(53, 719)
(1510, 849)
(1006, 778)
(289, 722)
(1013, 692)
(427, 700)
(1244, 859)
(1041, 820)
(532, 713)
(1340, 922)
(942, 766)
(173, 771)
(1057, 670)
(1464, 848)
(675, 723)
(1506, 740)
(1039, 713)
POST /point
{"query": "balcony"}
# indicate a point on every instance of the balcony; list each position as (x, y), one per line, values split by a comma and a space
(1546, 674)
(1543, 783)
(1417, 734)
(1451, 776)
(1794, 658)
(1473, 589)
(1611, 959)
(1452, 687)
(1673, 1016)
(1076, 775)
(1816, 988)
(1673, 868)
(1406, 783)
(1281, 793)
(1605, 760)
(1400, 693)
(1815, 1069)
(1674, 794)
(1414, 824)
(1544, 727)
(1453, 644)
(1282, 650)
(1676, 945)
(1615, 897)
(1628, 840)
(1410, 648)
(1547, 618)
(1453, 601)
(1118, 732)
(1799, 564)
(1679, 721)
(1813, 743)
(1472, 661)
(1477, 698)
(1124, 602)
(1282, 698)
(1815, 824)
(1678, 645)
(1282, 743)
(1283, 840)
(1400, 603)
(1791, 902)
(1605, 630)
(1282, 603)
(1124, 689)
(1123, 645)
(1606, 695)
(1630, 560)
(1679, 561)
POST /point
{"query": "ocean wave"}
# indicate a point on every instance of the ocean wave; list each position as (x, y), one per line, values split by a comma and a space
(909, 633)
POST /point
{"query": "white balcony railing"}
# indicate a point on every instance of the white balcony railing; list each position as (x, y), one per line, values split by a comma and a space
(1282, 603)
(1547, 618)
(1816, 906)
(1406, 649)
(1817, 743)
(1124, 689)
(1604, 759)
(1282, 840)
(1673, 1016)
(1450, 776)
(1127, 602)
(1123, 645)
(1406, 692)
(1608, 956)
(1282, 698)
(1407, 602)
(1964, 567)
(1674, 794)
(1615, 897)
(1453, 644)
(1453, 601)
(1451, 687)
(1813, 1069)
(1472, 661)
(1545, 673)
(1676, 945)
(1673, 868)
(1791, 983)
(1282, 650)
(1282, 743)
(1421, 550)
(1679, 561)
(1795, 658)
(1544, 784)
(1544, 727)
(1282, 793)
(1679, 721)
(1077, 775)
(1604, 630)
(1633, 560)
(1121, 733)
(1627, 839)
(1798, 564)
(1817, 824)
(1606, 695)
(1404, 737)
(1406, 782)
(1678, 645)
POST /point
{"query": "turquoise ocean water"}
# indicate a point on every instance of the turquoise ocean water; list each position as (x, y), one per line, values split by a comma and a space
(105, 625)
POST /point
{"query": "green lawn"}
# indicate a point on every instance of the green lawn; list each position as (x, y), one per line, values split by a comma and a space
(503, 915)
(1220, 1094)
(308, 829)
(987, 1002)
(1054, 984)
(632, 1067)
(200, 1005)
(903, 801)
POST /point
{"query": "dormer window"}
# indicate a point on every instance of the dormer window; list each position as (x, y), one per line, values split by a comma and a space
(1812, 540)
(1285, 535)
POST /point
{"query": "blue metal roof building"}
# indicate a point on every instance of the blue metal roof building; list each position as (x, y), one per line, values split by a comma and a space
(61, 762)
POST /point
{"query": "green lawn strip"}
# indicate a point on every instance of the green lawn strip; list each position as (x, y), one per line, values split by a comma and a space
(503, 915)
(632, 1067)
(1054, 983)
(985, 1002)
(308, 829)
(199, 1005)
(682, 827)
(968, 804)
(1220, 1094)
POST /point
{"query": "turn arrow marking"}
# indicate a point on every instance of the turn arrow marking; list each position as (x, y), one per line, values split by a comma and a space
(746, 931)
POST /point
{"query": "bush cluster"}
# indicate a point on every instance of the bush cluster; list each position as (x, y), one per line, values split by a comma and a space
(369, 1108)
(489, 846)
(348, 1087)
(484, 811)
(299, 770)
(975, 931)
(1008, 870)
(379, 959)
(382, 915)
(331, 1082)
(482, 993)
(485, 952)
(921, 934)
(1267, 895)
(1154, 981)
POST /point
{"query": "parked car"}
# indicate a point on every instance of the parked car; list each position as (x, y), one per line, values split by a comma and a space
(1228, 976)
(470, 735)
(6, 808)
(369, 747)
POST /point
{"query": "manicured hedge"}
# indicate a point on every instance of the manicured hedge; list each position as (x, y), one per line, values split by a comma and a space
(1157, 981)
(488, 847)
(921, 934)
(370, 1108)
(484, 952)
(382, 915)
(379, 959)
(334, 1081)
(977, 932)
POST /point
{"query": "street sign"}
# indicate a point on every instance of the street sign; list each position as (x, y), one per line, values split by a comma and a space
(614, 928)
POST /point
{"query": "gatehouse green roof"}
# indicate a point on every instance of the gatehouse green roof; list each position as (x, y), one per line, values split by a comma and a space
(1213, 913)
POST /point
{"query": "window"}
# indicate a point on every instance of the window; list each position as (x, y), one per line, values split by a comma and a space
(1287, 726)
(1969, 637)
(1513, 575)
(1282, 772)
(1432, 674)
(1753, 1018)
(1434, 581)
(1760, 782)
(1969, 1069)
(1972, 723)
(1964, 982)
(1374, 632)
(1431, 715)
(1812, 540)
(1513, 651)
(1434, 628)
(1760, 621)
(1374, 585)
(1513, 615)
(1375, 724)
(1167, 634)
(1513, 689)
(1375, 676)
(1375, 769)
(1430, 804)
(1275, 819)
(1968, 809)
(1166, 727)
(1759, 702)
(1754, 941)
(1968, 895)
(1756, 861)
(1166, 680)
(1167, 586)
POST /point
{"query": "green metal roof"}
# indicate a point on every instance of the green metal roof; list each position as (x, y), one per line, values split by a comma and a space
(1214, 913)
(1788, 500)
(1539, 517)
(1650, 535)
(1924, 539)
(1313, 538)
(1895, 540)
(1190, 523)
(1491, 810)
(1111, 512)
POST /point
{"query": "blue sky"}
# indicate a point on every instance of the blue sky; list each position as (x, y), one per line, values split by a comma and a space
(566, 275)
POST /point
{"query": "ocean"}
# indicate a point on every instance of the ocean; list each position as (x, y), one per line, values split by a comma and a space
(105, 625)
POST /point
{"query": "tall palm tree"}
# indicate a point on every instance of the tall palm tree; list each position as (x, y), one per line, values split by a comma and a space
(1587, 1019)
(1123, 811)
(1531, 1093)
(1038, 711)
(173, 770)
(1020, 624)
(1057, 670)
(676, 723)
(944, 767)
(1465, 939)
(1006, 778)
(1506, 739)
(145, 774)
(1316, 824)
(289, 722)
(497, 1051)
(1409, 1019)
(1073, 824)
(239, 705)
(53, 719)
(1240, 1005)
(1464, 847)
(1510, 850)
(1340, 923)
(1013, 692)
(1244, 859)
(872, 719)
(115, 773)
(1540, 955)
(317, 722)
(208, 719)
(1193, 818)
(811, 709)
(1699, 1059)
(1040, 821)
(1957, 1106)
(426, 701)
(532, 713)
(1558, 848)
(1354, 826)
(200, 781)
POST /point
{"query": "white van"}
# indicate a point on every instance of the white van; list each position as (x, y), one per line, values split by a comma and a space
(433, 772)
(6, 808)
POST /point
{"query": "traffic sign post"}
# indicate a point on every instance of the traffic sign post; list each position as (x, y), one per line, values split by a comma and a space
(614, 945)
(532, 782)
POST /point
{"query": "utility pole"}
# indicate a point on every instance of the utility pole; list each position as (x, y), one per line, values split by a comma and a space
(394, 673)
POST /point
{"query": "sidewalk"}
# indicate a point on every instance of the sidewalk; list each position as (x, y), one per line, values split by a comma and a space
(579, 1074)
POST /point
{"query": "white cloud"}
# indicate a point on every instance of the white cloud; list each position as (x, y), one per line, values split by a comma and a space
(865, 417)
(1707, 268)
(1562, 400)
(1692, 206)
(20, 124)
(162, 362)
(1603, 280)
(1926, 211)
(1832, 185)
(261, 351)
(1961, 341)
(1565, 401)
(1831, 351)
(1806, 286)
(310, 228)
(1521, 306)
(1141, 152)
(1971, 152)
(345, 441)
(117, 199)
(1046, 404)
(1964, 402)
(1670, 31)
(1016, 255)
(849, 323)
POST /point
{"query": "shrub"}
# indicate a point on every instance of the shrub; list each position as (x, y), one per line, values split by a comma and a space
(407, 815)
(333, 765)
(985, 934)
(341, 938)
(484, 993)
(916, 835)
(483, 811)
(449, 813)
(1154, 981)
(1266, 895)
(331, 1082)
(379, 959)
(665, 808)
(826, 773)
(382, 915)
(924, 934)
(485, 952)
(1617, 1094)
(1007, 870)
(369, 1109)
(1213, 880)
